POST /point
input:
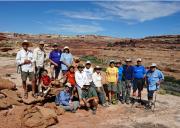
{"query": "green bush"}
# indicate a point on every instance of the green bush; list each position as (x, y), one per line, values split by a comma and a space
(93, 59)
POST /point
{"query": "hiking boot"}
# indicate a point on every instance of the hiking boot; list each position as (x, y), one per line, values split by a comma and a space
(127, 102)
(122, 101)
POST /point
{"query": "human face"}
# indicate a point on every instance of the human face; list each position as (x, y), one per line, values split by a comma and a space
(80, 69)
(152, 69)
(128, 63)
(66, 50)
(112, 65)
(67, 89)
(44, 73)
(88, 66)
(72, 69)
(138, 62)
(98, 71)
(41, 46)
(55, 47)
(25, 47)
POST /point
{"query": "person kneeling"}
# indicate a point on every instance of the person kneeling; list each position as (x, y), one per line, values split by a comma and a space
(64, 99)
(89, 98)
(45, 84)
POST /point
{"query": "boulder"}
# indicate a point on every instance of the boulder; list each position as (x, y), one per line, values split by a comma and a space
(57, 109)
(38, 117)
(6, 84)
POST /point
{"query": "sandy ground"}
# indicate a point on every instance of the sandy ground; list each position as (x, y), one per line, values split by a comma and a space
(166, 115)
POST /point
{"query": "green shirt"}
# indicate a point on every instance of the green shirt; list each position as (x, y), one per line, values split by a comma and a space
(91, 92)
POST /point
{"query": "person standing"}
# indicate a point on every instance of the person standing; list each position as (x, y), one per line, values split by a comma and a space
(39, 59)
(66, 60)
(119, 85)
(112, 79)
(139, 73)
(154, 77)
(81, 80)
(24, 59)
(89, 71)
(97, 80)
(55, 64)
(127, 81)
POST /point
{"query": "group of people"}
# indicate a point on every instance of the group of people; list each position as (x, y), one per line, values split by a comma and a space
(83, 85)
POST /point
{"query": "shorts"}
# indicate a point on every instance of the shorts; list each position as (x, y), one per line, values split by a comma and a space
(138, 84)
(25, 75)
(112, 87)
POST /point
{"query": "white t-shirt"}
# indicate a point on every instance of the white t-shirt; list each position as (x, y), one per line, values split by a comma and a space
(89, 73)
(97, 79)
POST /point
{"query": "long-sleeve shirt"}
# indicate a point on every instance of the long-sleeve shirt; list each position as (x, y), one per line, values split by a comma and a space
(63, 98)
(120, 73)
(23, 55)
(127, 72)
(139, 72)
(153, 78)
(97, 79)
(39, 57)
(67, 58)
(81, 78)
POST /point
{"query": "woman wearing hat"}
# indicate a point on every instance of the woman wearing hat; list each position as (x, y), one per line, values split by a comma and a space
(66, 60)
(112, 79)
(97, 80)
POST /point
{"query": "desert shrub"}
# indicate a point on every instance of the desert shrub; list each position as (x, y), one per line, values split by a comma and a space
(93, 59)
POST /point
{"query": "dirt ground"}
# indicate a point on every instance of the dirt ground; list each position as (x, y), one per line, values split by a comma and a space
(166, 114)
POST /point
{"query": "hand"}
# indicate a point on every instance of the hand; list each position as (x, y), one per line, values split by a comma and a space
(55, 64)
(158, 83)
(27, 61)
(71, 104)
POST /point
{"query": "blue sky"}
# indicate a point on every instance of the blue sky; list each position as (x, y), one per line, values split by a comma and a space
(117, 19)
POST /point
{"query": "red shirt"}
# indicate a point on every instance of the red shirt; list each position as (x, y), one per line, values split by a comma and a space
(71, 78)
(46, 80)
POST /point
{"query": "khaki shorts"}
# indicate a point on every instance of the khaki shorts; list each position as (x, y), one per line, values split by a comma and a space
(112, 87)
(25, 75)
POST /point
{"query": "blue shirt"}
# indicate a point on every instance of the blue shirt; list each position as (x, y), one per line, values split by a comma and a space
(153, 78)
(67, 58)
(127, 72)
(120, 73)
(55, 56)
(63, 98)
(139, 72)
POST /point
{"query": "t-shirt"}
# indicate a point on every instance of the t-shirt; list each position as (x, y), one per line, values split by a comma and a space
(120, 73)
(67, 58)
(71, 78)
(128, 72)
(139, 72)
(55, 56)
(89, 73)
(46, 80)
(97, 79)
(91, 92)
(112, 74)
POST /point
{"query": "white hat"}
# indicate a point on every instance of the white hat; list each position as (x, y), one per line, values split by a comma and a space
(139, 59)
(98, 67)
(25, 41)
(112, 61)
(66, 47)
(88, 62)
(68, 84)
(153, 65)
(128, 60)
(41, 42)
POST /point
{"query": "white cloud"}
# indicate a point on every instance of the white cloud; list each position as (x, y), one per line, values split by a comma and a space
(88, 15)
(139, 11)
(76, 28)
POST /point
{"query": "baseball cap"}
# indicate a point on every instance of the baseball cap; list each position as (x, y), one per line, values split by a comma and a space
(66, 47)
(153, 65)
(88, 62)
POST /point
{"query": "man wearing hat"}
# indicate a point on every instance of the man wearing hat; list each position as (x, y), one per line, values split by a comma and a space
(55, 62)
(89, 71)
(127, 81)
(154, 77)
(39, 59)
(64, 99)
(24, 59)
(81, 79)
(66, 60)
(89, 97)
(139, 78)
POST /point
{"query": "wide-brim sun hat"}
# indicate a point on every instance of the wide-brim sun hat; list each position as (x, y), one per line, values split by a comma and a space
(139, 59)
(80, 66)
(41, 42)
(153, 65)
(68, 84)
(25, 42)
(66, 47)
(128, 60)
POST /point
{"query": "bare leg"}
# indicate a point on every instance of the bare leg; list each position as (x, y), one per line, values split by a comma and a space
(52, 71)
(25, 89)
(109, 96)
